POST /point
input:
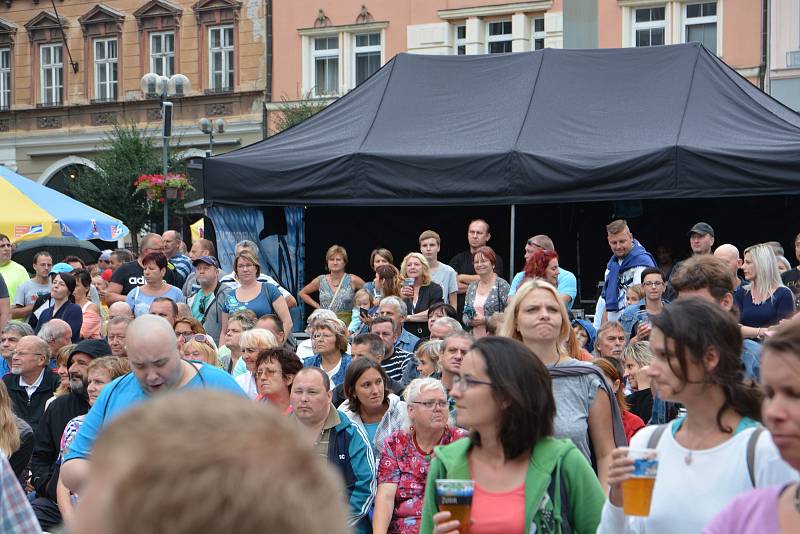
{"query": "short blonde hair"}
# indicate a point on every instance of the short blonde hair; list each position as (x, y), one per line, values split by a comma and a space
(116, 366)
(430, 234)
(162, 475)
(334, 250)
(426, 267)
(258, 338)
(615, 227)
(510, 326)
(433, 351)
(208, 353)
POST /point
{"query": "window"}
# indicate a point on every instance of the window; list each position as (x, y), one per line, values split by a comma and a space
(5, 78)
(700, 22)
(51, 67)
(220, 58)
(649, 26)
(326, 66)
(461, 40)
(538, 33)
(793, 59)
(499, 40)
(368, 55)
(162, 53)
(105, 69)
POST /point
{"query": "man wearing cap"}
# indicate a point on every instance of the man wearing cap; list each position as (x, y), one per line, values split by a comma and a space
(701, 239)
(12, 272)
(203, 302)
(200, 248)
(39, 285)
(47, 441)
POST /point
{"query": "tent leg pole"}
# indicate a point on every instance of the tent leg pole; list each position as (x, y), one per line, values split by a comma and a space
(512, 240)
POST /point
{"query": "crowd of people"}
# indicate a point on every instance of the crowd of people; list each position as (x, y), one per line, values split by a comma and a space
(429, 371)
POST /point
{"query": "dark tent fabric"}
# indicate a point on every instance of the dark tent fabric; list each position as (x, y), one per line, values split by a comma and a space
(533, 127)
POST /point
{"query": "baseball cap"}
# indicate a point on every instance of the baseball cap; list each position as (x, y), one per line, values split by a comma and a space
(701, 228)
(94, 348)
(59, 268)
(210, 260)
(105, 255)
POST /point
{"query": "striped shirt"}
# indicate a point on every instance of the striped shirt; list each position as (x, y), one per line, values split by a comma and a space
(395, 364)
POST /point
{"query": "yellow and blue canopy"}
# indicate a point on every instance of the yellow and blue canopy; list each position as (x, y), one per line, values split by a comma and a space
(31, 211)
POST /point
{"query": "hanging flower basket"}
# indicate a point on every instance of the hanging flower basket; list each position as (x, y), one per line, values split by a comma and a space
(156, 188)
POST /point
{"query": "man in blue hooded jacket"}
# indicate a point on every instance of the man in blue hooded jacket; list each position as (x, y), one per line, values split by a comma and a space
(345, 445)
(624, 269)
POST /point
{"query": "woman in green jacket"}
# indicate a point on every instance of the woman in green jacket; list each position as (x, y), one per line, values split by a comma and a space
(525, 480)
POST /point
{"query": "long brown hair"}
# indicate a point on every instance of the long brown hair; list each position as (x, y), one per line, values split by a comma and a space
(9, 432)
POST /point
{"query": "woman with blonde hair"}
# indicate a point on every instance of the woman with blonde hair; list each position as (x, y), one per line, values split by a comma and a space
(200, 347)
(764, 301)
(63, 373)
(337, 288)
(419, 291)
(252, 343)
(587, 411)
(261, 298)
(16, 437)
(428, 354)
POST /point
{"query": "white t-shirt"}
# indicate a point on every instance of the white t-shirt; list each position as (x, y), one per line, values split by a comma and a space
(687, 497)
(248, 384)
(445, 276)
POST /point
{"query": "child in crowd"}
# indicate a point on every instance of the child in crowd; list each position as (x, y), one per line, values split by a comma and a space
(361, 299)
(634, 294)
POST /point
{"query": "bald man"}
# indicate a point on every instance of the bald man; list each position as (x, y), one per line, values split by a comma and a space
(156, 368)
(730, 255)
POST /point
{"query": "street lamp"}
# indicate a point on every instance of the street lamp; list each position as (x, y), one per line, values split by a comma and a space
(154, 85)
(207, 126)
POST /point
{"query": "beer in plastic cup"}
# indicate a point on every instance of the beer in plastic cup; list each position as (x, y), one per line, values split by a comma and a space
(637, 491)
(455, 496)
(408, 282)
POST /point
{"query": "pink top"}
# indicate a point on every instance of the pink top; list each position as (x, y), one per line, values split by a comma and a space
(754, 511)
(493, 513)
(478, 303)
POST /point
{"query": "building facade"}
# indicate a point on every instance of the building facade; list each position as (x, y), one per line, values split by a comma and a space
(67, 75)
(784, 53)
(324, 48)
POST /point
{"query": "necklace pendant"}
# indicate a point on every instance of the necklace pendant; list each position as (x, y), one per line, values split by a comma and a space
(688, 459)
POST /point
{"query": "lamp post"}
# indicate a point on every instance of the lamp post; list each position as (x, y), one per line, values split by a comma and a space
(154, 85)
(207, 126)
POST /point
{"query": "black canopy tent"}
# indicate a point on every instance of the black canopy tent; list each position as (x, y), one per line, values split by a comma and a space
(538, 127)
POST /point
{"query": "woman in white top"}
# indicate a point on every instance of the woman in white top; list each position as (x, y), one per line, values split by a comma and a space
(252, 342)
(703, 457)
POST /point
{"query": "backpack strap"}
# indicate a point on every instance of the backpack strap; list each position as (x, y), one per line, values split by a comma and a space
(558, 491)
(655, 437)
(751, 453)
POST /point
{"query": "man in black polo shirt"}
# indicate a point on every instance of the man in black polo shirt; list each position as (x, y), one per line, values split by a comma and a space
(477, 236)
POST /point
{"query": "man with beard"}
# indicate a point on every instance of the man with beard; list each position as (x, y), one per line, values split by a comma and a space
(156, 367)
(47, 441)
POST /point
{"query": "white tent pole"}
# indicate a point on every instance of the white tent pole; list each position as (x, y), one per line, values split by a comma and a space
(513, 238)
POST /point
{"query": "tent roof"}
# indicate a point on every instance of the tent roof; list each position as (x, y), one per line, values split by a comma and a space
(533, 127)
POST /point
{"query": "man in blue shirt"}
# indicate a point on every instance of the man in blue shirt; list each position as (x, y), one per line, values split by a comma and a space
(156, 367)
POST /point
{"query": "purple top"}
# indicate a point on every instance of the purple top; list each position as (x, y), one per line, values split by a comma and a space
(754, 511)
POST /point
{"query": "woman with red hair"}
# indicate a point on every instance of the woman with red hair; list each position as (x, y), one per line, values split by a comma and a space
(543, 264)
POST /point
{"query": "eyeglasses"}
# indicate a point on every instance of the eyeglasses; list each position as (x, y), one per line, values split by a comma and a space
(653, 284)
(267, 372)
(321, 336)
(430, 404)
(200, 338)
(463, 383)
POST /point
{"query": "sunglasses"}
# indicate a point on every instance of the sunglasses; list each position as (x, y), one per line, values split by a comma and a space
(532, 243)
(200, 338)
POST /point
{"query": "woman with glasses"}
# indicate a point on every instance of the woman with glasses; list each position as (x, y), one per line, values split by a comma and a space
(330, 344)
(252, 342)
(185, 327)
(764, 300)
(370, 404)
(154, 268)
(406, 457)
(523, 475)
(199, 347)
(261, 298)
(275, 372)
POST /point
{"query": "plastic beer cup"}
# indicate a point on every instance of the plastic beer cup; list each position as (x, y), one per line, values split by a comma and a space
(455, 496)
(637, 491)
